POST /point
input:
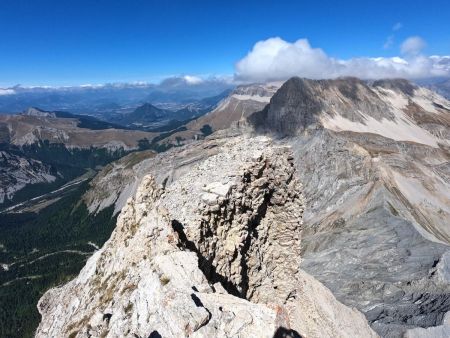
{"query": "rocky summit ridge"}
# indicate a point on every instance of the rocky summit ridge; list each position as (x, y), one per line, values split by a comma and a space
(212, 253)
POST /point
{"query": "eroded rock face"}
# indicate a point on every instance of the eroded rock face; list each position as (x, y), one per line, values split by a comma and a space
(212, 253)
(249, 230)
(17, 172)
(373, 161)
(440, 331)
(243, 101)
(360, 235)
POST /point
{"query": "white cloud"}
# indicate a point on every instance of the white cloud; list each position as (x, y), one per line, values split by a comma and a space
(194, 82)
(412, 45)
(276, 59)
(389, 42)
(192, 79)
(391, 38)
(7, 91)
(397, 26)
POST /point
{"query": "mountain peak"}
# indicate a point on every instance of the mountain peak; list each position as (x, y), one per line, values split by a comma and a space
(393, 108)
(147, 105)
(33, 111)
(147, 113)
(402, 85)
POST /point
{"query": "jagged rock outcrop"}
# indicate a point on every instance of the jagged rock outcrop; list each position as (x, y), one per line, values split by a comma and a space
(213, 252)
(440, 331)
(242, 101)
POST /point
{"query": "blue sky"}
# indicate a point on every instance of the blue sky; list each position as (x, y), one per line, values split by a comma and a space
(76, 42)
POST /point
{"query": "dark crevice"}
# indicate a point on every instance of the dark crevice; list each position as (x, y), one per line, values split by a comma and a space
(198, 303)
(204, 264)
(164, 183)
(240, 290)
(253, 234)
(283, 332)
(107, 317)
(437, 105)
(155, 334)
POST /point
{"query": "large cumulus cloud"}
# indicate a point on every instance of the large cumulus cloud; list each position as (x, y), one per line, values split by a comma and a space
(277, 59)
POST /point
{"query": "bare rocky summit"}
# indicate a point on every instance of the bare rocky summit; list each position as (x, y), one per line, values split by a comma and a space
(212, 252)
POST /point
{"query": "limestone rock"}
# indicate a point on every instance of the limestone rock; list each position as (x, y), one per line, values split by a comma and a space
(176, 266)
(441, 331)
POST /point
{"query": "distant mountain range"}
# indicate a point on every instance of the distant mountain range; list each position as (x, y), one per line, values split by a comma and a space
(441, 86)
(233, 109)
(166, 116)
(173, 93)
(52, 146)
(39, 146)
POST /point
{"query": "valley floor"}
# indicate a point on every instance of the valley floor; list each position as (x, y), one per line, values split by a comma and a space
(42, 250)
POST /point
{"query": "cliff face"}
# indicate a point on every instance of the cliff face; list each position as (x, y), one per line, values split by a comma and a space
(233, 109)
(395, 109)
(17, 172)
(211, 252)
(367, 236)
(243, 101)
